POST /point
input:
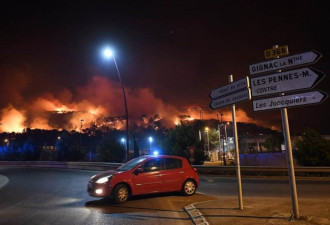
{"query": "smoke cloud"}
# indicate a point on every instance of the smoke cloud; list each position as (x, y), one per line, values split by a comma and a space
(86, 105)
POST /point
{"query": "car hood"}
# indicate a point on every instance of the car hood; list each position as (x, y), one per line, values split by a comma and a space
(104, 174)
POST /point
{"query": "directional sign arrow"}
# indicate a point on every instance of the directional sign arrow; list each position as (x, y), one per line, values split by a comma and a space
(285, 62)
(231, 99)
(286, 81)
(230, 88)
(301, 99)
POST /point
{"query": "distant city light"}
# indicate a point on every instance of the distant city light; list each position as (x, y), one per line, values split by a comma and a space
(123, 140)
(150, 139)
(155, 153)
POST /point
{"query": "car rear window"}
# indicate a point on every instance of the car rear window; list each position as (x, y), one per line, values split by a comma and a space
(172, 163)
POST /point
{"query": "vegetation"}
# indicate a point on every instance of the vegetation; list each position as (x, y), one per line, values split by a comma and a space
(274, 143)
(110, 150)
(180, 139)
(312, 149)
(100, 144)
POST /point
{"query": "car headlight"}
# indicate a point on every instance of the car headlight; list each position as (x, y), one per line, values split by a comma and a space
(103, 180)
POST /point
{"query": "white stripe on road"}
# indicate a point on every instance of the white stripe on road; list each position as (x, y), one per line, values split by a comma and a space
(3, 181)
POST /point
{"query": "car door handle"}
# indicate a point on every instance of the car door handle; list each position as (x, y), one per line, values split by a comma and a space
(159, 175)
(181, 172)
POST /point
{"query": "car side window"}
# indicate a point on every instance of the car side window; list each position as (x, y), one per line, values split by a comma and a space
(172, 163)
(152, 165)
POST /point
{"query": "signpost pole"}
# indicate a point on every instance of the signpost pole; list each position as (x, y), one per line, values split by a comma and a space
(238, 167)
(288, 146)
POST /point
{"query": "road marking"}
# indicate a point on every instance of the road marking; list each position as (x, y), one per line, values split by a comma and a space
(3, 181)
(195, 215)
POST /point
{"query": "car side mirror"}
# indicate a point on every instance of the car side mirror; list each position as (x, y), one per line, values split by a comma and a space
(138, 170)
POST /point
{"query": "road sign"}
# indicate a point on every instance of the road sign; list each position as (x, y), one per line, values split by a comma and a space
(230, 88)
(285, 62)
(231, 99)
(276, 52)
(286, 81)
(307, 98)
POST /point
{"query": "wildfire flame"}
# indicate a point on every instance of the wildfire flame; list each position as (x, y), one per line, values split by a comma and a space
(93, 103)
(12, 120)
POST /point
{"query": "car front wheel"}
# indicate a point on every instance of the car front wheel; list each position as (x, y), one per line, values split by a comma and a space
(120, 193)
(189, 187)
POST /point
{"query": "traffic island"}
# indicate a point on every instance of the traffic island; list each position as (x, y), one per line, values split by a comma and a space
(260, 211)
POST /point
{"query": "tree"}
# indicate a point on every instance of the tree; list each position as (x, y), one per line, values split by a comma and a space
(213, 138)
(312, 149)
(136, 148)
(180, 139)
(63, 146)
(273, 143)
(110, 150)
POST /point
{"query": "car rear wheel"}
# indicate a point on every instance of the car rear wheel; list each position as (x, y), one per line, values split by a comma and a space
(120, 193)
(189, 187)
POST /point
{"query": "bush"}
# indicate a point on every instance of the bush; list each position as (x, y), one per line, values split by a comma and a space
(312, 149)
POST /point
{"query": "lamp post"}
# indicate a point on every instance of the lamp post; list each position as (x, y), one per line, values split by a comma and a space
(109, 54)
(223, 144)
(122, 141)
(227, 146)
(81, 126)
(219, 132)
(7, 142)
(208, 140)
(150, 141)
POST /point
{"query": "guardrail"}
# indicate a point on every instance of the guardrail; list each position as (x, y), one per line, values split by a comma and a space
(64, 165)
(215, 170)
(264, 171)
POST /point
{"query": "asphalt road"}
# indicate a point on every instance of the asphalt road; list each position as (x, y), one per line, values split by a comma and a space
(58, 196)
(316, 188)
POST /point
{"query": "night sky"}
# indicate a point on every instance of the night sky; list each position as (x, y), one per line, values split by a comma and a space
(170, 54)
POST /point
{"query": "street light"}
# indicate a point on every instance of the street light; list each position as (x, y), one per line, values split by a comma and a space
(6, 141)
(150, 141)
(108, 54)
(225, 149)
(208, 140)
(81, 126)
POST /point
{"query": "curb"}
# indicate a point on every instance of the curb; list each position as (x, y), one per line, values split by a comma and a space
(195, 215)
(3, 181)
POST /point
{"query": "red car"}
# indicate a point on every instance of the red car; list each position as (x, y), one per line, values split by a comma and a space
(145, 175)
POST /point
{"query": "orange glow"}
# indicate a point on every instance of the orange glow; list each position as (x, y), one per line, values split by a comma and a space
(40, 123)
(12, 120)
(99, 103)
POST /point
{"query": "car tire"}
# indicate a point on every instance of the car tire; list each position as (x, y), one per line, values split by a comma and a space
(189, 187)
(120, 193)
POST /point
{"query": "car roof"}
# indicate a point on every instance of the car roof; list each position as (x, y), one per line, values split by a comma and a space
(164, 156)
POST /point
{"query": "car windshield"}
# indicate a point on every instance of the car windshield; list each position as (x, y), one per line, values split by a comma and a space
(131, 164)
